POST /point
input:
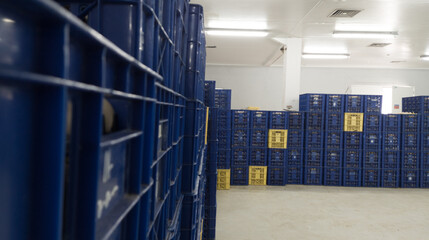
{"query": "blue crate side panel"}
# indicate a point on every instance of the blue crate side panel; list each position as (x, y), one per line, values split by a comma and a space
(258, 156)
(295, 174)
(240, 137)
(333, 158)
(353, 140)
(391, 159)
(391, 141)
(425, 123)
(314, 139)
(373, 103)
(354, 103)
(410, 160)
(276, 176)
(352, 177)
(352, 158)
(224, 159)
(278, 157)
(314, 157)
(410, 141)
(296, 120)
(312, 102)
(313, 175)
(295, 156)
(333, 140)
(314, 121)
(295, 138)
(209, 93)
(332, 176)
(278, 120)
(371, 177)
(372, 122)
(224, 138)
(391, 122)
(258, 138)
(424, 178)
(224, 119)
(240, 175)
(390, 178)
(424, 141)
(424, 160)
(410, 123)
(372, 141)
(410, 178)
(334, 103)
(223, 99)
(259, 119)
(240, 156)
(240, 118)
(334, 121)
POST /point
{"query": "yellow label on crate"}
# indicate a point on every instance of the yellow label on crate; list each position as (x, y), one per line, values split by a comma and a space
(277, 138)
(207, 124)
(353, 122)
(257, 175)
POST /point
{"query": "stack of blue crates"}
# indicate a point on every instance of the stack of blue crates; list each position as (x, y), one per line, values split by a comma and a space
(391, 151)
(240, 151)
(333, 155)
(424, 151)
(295, 122)
(223, 104)
(258, 138)
(314, 106)
(277, 158)
(410, 158)
(209, 223)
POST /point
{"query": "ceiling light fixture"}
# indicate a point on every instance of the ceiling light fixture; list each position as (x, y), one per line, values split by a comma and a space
(8, 20)
(364, 34)
(237, 24)
(325, 55)
(424, 57)
(236, 33)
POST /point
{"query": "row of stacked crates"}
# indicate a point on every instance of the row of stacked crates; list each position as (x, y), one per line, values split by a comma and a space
(210, 206)
(223, 105)
(93, 180)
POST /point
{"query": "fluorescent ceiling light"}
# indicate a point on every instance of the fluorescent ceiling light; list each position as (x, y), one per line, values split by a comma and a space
(364, 34)
(7, 20)
(236, 33)
(325, 55)
(364, 27)
(247, 25)
(424, 57)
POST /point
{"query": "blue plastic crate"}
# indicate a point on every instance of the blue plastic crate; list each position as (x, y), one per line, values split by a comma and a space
(410, 123)
(372, 141)
(314, 157)
(295, 156)
(333, 140)
(223, 99)
(333, 158)
(224, 159)
(352, 177)
(371, 177)
(373, 103)
(278, 157)
(212, 151)
(352, 158)
(258, 156)
(190, 177)
(406, 105)
(332, 176)
(312, 102)
(195, 112)
(294, 174)
(240, 175)
(209, 93)
(410, 178)
(212, 128)
(391, 159)
(391, 122)
(296, 120)
(240, 137)
(334, 103)
(354, 103)
(425, 123)
(391, 141)
(278, 120)
(210, 190)
(424, 178)
(418, 104)
(224, 139)
(353, 140)
(390, 178)
(410, 141)
(224, 119)
(258, 138)
(259, 119)
(295, 138)
(276, 176)
(372, 122)
(314, 139)
(240, 156)
(424, 160)
(334, 121)
(313, 175)
(410, 160)
(240, 118)
(315, 121)
(190, 206)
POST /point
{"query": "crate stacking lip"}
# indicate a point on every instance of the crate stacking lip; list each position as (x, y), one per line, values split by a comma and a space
(410, 141)
(410, 160)
(354, 103)
(278, 120)
(352, 158)
(373, 103)
(391, 141)
(372, 140)
(315, 120)
(333, 140)
(391, 122)
(258, 138)
(294, 174)
(240, 137)
(333, 158)
(295, 138)
(352, 177)
(372, 122)
(277, 138)
(240, 118)
(296, 120)
(259, 119)
(240, 175)
(277, 157)
(410, 123)
(258, 156)
(334, 121)
(313, 175)
(258, 175)
(240, 156)
(410, 178)
(312, 102)
(223, 99)
(371, 177)
(332, 176)
(314, 157)
(277, 176)
(353, 140)
(353, 122)
(334, 103)
(314, 139)
(390, 178)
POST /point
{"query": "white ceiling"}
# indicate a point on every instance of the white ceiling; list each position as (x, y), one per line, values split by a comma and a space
(308, 19)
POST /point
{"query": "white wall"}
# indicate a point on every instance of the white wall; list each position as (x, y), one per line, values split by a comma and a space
(263, 86)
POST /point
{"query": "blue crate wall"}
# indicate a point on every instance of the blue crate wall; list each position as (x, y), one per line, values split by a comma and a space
(240, 118)
(313, 175)
(354, 103)
(333, 158)
(258, 138)
(224, 138)
(391, 159)
(410, 178)
(424, 123)
(352, 177)
(210, 192)
(410, 160)
(390, 178)
(259, 119)
(418, 104)
(371, 177)
(312, 102)
(223, 99)
(276, 176)
(211, 159)
(209, 93)
(314, 139)
(295, 138)
(373, 103)
(406, 105)
(410, 123)
(240, 137)
(332, 176)
(240, 156)
(372, 122)
(279, 157)
(424, 178)
(314, 121)
(212, 128)
(334, 103)
(313, 157)
(333, 140)
(391, 141)
(295, 157)
(372, 141)
(296, 120)
(278, 120)
(224, 159)
(353, 140)
(258, 156)
(295, 174)
(391, 122)
(410, 141)
(334, 121)
(424, 160)
(352, 158)
(240, 175)
(224, 119)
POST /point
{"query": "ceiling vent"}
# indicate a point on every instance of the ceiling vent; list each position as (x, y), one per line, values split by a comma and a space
(400, 61)
(342, 13)
(379, 45)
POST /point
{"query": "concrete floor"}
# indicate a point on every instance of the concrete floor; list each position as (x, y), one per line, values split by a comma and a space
(317, 212)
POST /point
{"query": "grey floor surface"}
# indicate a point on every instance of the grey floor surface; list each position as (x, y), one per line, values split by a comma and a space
(318, 212)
